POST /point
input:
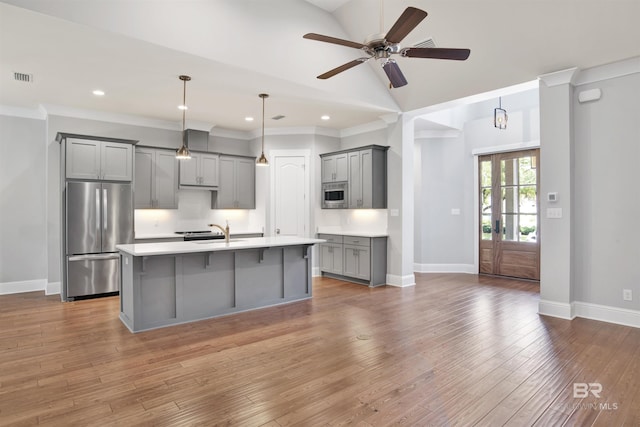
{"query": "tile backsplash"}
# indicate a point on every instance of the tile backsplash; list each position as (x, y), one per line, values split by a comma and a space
(194, 213)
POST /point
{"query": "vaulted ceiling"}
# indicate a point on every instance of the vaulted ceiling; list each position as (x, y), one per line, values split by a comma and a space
(135, 50)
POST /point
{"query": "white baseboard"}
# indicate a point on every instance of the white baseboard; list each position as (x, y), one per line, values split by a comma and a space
(555, 309)
(604, 313)
(445, 268)
(52, 288)
(23, 286)
(315, 272)
(401, 281)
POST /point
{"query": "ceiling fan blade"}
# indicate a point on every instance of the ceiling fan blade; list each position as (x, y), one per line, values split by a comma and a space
(343, 67)
(393, 72)
(334, 40)
(436, 53)
(409, 19)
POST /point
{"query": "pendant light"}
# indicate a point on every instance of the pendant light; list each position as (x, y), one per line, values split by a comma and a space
(183, 152)
(500, 116)
(262, 160)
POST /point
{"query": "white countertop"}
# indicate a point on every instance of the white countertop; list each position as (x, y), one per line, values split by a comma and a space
(168, 248)
(354, 233)
(169, 235)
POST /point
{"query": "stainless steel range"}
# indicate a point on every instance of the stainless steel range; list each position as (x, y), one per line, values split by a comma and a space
(200, 235)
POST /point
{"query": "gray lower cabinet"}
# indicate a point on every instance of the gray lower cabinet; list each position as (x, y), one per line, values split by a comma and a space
(98, 160)
(357, 259)
(165, 290)
(237, 188)
(331, 255)
(200, 171)
(156, 179)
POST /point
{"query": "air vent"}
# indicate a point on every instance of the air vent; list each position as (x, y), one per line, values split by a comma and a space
(278, 117)
(23, 77)
(426, 43)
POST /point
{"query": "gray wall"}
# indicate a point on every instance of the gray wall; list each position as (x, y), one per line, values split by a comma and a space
(606, 200)
(446, 177)
(23, 228)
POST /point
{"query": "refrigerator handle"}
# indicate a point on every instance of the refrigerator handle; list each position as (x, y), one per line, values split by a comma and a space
(98, 209)
(104, 209)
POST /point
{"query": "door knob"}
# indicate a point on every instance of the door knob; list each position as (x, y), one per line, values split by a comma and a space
(277, 231)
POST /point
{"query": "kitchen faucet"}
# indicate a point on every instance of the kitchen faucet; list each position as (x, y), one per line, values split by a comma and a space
(224, 230)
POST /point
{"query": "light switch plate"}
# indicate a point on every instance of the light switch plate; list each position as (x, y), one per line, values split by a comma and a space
(554, 213)
(394, 212)
(455, 211)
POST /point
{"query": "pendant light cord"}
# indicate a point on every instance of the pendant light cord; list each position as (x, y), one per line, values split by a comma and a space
(263, 124)
(184, 101)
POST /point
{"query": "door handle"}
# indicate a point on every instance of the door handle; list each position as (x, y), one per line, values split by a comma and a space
(97, 209)
(277, 231)
(497, 229)
(104, 208)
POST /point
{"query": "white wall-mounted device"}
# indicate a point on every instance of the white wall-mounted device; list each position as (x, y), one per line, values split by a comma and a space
(589, 95)
(552, 197)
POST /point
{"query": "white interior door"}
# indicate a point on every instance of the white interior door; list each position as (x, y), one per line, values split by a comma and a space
(290, 195)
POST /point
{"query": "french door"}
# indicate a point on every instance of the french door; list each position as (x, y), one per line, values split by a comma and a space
(509, 214)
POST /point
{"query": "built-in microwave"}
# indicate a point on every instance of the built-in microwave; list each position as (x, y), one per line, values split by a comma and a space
(334, 195)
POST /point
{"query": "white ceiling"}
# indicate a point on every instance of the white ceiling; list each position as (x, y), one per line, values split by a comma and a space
(235, 49)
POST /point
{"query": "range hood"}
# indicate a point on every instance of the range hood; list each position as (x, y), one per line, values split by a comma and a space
(197, 140)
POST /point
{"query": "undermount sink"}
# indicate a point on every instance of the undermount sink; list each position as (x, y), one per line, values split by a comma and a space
(209, 242)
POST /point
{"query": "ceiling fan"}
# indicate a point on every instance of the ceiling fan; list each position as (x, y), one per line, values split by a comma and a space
(382, 46)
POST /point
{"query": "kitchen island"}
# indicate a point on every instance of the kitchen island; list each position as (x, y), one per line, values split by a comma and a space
(169, 283)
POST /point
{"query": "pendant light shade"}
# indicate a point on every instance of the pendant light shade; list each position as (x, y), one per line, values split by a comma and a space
(262, 160)
(183, 152)
(500, 116)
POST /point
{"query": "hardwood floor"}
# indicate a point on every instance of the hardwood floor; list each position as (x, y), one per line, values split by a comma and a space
(453, 350)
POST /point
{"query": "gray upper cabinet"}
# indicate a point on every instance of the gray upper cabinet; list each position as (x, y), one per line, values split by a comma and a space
(156, 183)
(99, 160)
(334, 168)
(202, 170)
(237, 189)
(366, 175)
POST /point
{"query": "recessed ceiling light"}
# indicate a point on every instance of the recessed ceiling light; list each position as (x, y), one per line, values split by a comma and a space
(182, 107)
(98, 92)
(249, 119)
(325, 117)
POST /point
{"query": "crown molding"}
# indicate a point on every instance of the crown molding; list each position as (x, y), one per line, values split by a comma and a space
(230, 133)
(367, 127)
(125, 119)
(22, 112)
(431, 134)
(608, 71)
(559, 77)
(311, 130)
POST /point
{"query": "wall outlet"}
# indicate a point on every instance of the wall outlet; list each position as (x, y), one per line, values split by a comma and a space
(627, 295)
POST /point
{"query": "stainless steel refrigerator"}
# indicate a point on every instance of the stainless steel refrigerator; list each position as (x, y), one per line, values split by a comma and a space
(98, 216)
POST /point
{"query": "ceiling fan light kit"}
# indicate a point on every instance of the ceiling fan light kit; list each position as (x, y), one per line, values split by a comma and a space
(382, 46)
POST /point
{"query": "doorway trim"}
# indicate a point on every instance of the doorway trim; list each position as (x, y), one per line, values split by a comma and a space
(476, 184)
(272, 190)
